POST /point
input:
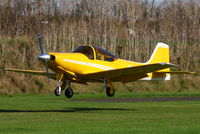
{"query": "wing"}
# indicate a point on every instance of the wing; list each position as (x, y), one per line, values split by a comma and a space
(34, 72)
(136, 72)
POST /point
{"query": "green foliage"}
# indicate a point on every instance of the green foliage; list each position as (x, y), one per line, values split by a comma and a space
(10, 41)
(1, 52)
(39, 83)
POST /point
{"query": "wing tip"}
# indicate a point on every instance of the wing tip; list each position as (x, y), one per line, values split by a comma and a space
(192, 73)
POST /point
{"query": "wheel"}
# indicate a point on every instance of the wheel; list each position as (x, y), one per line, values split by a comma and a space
(110, 92)
(69, 93)
(57, 91)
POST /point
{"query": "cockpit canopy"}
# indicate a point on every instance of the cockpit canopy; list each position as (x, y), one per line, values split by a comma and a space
(95, 53)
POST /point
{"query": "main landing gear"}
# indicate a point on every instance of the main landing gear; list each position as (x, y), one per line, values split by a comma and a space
(65, 86)
(110, 91)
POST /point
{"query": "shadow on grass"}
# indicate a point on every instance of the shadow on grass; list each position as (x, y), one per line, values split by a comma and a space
(68, 110)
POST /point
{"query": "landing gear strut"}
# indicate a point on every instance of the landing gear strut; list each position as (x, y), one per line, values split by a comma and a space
(110, 91)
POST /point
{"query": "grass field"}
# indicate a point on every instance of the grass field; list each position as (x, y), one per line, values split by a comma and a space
(48, 114)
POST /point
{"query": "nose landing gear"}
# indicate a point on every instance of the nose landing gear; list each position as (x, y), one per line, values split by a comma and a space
(58, 90)
(65, 86)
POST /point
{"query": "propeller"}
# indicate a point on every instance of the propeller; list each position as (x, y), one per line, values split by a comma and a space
(44, 56)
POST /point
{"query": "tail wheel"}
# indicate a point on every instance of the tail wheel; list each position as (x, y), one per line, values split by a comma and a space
(110, 92)
(69, 93)
(57, 91)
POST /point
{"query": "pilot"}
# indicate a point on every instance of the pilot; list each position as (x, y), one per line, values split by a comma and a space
(100, 56)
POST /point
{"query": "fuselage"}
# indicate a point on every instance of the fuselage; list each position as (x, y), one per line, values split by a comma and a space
(81, 64)
(88, 60)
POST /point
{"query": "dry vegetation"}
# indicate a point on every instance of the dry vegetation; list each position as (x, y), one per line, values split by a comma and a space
(128, 28)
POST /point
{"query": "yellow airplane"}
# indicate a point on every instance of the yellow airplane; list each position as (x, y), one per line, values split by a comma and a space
(94, 64)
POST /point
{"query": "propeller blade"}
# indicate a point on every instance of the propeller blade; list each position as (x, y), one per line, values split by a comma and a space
(47, 70)
(44, 56)
(41, 44)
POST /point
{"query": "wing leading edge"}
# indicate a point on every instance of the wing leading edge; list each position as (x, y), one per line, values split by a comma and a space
(34, 72)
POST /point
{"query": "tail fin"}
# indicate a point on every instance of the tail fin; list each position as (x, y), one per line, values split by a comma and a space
(160, 54)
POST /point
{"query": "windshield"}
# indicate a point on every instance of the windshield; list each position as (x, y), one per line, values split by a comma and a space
(86, 50)
(102, 54)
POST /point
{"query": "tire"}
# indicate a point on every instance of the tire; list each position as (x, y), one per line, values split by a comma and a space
(56, 91)
(69, 93)
(110, 92)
